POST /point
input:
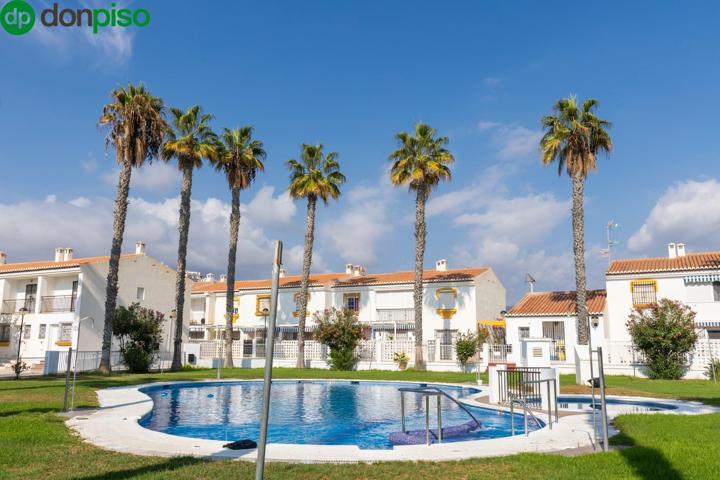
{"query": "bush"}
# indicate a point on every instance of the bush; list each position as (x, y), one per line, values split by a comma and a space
(341, 332)
(665, 334)
(139, 330)
(466, 346)
(712, 371)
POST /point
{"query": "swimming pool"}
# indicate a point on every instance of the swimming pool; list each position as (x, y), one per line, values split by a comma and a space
(627, 406)
(310, 412)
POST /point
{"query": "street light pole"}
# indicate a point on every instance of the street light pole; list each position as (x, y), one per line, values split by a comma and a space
(22, 312)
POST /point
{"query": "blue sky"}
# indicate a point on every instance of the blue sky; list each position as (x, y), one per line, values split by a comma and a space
(350, 75)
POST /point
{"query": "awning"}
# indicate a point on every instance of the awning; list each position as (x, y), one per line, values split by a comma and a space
(708, 324)
(492, 323)
(703, 278)
(392, 326)
(279, 328)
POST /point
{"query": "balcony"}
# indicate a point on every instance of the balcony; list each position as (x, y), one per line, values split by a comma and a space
(400, 315)
(58, 304)
(14, 306)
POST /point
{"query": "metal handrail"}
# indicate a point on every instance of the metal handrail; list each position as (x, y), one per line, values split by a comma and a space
(526, 412)
(463, 407)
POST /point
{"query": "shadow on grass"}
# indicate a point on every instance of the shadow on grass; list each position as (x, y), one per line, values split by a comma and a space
(647, 463)
(166, 468)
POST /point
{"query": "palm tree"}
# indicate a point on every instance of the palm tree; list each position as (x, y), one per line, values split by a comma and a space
(240, 159)
(420, 161)
(190, 141)
(573, 137)
(316, 175)
(136, 123)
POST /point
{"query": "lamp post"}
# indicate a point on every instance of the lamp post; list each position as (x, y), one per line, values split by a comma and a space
(22, 313)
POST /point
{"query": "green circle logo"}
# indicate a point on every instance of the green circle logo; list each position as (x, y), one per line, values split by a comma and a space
(17, 17)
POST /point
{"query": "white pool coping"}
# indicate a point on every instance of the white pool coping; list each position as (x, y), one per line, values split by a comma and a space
(115, 427)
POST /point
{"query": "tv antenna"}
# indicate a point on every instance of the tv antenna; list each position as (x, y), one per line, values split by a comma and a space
(530, 280)
(607, 252)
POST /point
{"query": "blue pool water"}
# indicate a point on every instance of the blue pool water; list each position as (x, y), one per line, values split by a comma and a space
(639, 406)
(316, 412)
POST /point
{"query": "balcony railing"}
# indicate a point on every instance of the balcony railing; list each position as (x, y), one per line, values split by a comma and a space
(14, 306)
(58, 304)
(395, 315)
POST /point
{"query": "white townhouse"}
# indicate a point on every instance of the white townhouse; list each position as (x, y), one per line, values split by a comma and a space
(553, 315)
(65, 297)
(691, 278)
(454, 301)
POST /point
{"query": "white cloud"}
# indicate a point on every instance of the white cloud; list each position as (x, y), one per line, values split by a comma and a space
(31, 230)
(50, 199)
(113, 45)
(516, 142)
(89, 165)
(684, 213)
(154, 177)
(486, 125)
(366, 219)
(267, 209)
(491, 81)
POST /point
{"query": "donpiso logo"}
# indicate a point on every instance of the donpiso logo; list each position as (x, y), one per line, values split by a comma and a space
(18, 17)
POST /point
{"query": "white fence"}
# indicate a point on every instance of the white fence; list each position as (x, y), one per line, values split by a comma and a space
(371, 351)
(55, 362)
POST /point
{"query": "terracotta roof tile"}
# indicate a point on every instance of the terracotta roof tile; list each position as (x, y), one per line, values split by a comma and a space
(556, 303)
(51, 265)
(345, 280)
(690, 262)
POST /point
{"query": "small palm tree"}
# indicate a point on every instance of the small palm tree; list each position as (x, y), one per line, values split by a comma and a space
(190, 141)
(136, 123)
(316, 176)
(573, 137)
(421, 162)
(240, 159)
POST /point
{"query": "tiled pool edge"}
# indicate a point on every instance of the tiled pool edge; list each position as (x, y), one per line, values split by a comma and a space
(115, 427)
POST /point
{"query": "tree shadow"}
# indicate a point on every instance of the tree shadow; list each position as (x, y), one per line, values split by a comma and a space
(166, 468)
(647, 463)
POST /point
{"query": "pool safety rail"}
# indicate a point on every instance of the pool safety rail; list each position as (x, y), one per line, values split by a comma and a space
(426, 392)
(526, 413)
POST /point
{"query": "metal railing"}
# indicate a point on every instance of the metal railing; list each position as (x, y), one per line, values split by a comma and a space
(14, 306)
(58, 303)
(518, 383)
(499, 352)
(395, 315)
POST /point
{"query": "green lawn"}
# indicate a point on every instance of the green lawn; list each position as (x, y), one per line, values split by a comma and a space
(35, 444)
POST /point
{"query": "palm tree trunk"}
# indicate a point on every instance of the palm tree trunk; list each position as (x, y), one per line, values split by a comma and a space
(111, 291)
(420, 234)
(578, 225)
(230, 291)
(307, 261)
(184, 229)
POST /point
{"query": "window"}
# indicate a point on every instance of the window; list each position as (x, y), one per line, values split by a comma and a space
(296, 299)
(714, 333)
(30, 293)
(73, 298)
(42, 332)
(5, 333)
(140, 293)
(446, 298)
(27, 331)
(523, 332)
(351, 301)
(716, 291)
(644, 293)
(262, 305)
(65, 332)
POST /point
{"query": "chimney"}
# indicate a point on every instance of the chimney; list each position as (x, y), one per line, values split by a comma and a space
(680, 247)
(348, 268)
(672, 250)
(358, 271)
(68, 254)
(210, 277)
(140, 248)
(441, 265)
(3, 258)
(59, 254)
(223, 278)
(283, 273)
(194, 276)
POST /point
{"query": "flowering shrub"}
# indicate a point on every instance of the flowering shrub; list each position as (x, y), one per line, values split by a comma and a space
(139, 331)
(341, 332)
(466, 346)
(665, 333)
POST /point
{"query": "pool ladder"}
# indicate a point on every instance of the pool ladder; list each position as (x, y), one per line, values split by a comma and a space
(526, 413)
